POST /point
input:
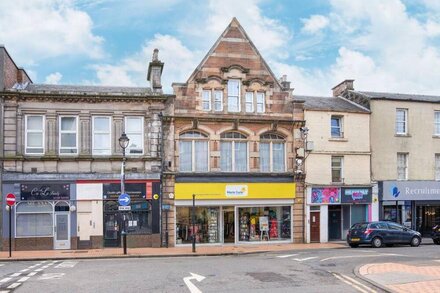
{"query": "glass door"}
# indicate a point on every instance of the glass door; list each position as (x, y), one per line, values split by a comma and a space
(228, 225)
(62, 233)
(112, 230)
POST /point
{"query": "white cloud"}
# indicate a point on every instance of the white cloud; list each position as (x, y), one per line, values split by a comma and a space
(314, 23)
(132, 71)
(47, 28)
(53, 78)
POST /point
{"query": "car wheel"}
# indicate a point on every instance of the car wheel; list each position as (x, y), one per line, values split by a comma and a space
(415, 241)
(354, 245)
(376, 242)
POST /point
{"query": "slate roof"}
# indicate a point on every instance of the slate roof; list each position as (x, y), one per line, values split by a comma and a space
(85, 90)
(330, 104)
(400, 97)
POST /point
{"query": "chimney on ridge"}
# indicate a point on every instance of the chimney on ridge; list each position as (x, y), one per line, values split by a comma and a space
(342, 87)
(155, 72)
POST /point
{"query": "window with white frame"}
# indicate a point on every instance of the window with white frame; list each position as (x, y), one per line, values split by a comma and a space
(68, 138)
(193, 152)
(206, 103)
(437, 123)
(336, 126)
(34, 220)
(249, 102)
(437, 166)
(134, 129)
(272, 153)
(101, 135)
(218, 101)
(233, 152)
(233, 95)
(34, 139)
(337, 169)
(260, 102)
(402, 166)
(402, 121)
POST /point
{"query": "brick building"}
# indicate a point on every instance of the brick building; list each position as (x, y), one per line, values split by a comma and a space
(232, 142)
(60, 156)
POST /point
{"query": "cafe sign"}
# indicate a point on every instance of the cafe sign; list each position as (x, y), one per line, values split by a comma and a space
(52, 191)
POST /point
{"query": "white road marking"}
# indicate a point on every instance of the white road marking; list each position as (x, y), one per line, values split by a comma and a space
(287, 255)
(15, 274)
(350, 284)
(38, 270)
(14, 285)
(2, 264)
(353, 283)
(23, 279)
(353, 256)
(67, 264)
(51, 276)
(192, 288)
(24, 270)
(4, 280)
(32, 274)
(4, 291)
(306, 258)
(45, 267)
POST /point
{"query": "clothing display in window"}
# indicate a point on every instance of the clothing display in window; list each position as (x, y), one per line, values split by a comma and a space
(244, 228)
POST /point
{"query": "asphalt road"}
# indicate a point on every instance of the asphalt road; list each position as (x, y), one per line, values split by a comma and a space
(329, 270)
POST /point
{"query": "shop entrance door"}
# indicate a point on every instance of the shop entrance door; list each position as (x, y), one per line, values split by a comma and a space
(112, 230)
(314, 227)
(62, 233)
(334, 223)
(228, 225)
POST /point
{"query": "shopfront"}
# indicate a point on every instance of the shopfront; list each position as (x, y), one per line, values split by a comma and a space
(332, 210)
(44, 216)
(415, 204)
(234, 212)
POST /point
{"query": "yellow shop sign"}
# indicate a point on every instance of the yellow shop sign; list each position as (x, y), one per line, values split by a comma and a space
(184, 191)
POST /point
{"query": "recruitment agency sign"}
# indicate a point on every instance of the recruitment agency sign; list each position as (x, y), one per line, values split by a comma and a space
(411, 190)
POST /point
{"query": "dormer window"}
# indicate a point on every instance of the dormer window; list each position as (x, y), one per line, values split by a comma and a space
(206, 103)
(234, 95)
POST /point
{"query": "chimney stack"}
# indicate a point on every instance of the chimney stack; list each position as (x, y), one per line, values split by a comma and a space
(284, 83)
(342, 87)
(155, 72)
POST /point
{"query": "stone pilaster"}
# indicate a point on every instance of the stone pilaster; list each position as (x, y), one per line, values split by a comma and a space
(85, 135)
(51, 134)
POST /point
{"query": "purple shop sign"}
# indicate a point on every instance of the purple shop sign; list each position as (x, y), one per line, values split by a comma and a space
(52, 191)
(329, 195)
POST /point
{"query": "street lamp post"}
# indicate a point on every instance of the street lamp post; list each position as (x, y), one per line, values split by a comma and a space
(123, 143)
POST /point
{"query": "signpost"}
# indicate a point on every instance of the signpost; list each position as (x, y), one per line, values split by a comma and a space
(10, 201)
(124, 205)
(124, 199)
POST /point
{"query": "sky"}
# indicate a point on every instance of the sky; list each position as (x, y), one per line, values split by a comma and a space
(384, 45)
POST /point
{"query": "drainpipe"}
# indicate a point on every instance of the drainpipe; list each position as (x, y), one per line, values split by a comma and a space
(2, 155)
(162, 165)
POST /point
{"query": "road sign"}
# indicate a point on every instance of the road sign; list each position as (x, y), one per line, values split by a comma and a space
(124, 208)
(10, 199)
(124, 199)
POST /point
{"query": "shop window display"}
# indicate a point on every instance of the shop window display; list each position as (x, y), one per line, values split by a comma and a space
(206, 228)
(264, 223)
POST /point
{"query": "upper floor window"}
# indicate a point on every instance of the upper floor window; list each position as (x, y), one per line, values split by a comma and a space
(206, 103)
(234, 95)
(336, 126)
(68, 139)
(134, 128)
(437, 166)
(218, 101)
(101, 136)
(233, 152)
(402, 166)
(193, 152)
(272, 153)
(401, 121)
(34, 139)
(437, 122)
(260, 102)
(249, 102)
(337, 169)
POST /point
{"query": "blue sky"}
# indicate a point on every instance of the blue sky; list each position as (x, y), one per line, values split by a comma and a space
(385, 45)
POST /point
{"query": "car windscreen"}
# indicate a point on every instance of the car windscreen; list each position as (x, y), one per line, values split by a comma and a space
(359, 226)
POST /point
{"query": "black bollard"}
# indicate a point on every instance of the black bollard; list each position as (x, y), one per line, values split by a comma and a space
(124, 241)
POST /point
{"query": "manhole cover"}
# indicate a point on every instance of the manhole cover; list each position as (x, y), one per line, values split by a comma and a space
(268, 277)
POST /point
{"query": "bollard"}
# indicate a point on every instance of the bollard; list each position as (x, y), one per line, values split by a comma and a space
(124, 241)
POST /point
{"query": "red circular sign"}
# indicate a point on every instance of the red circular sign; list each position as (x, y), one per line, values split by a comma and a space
(10, 199)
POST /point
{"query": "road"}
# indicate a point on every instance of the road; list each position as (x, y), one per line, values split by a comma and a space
(326, 270)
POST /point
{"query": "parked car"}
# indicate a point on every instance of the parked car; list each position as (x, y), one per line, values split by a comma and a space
(435, 234)
(379, 233)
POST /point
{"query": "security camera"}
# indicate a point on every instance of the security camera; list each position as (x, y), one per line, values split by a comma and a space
(304, 130)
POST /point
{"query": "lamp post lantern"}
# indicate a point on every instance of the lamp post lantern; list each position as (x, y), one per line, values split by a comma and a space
(123, 143)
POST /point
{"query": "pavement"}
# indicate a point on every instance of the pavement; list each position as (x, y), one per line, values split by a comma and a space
(211, 250)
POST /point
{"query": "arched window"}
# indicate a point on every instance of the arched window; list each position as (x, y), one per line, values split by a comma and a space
(193, 152)
(272, 153)
(233, 152)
